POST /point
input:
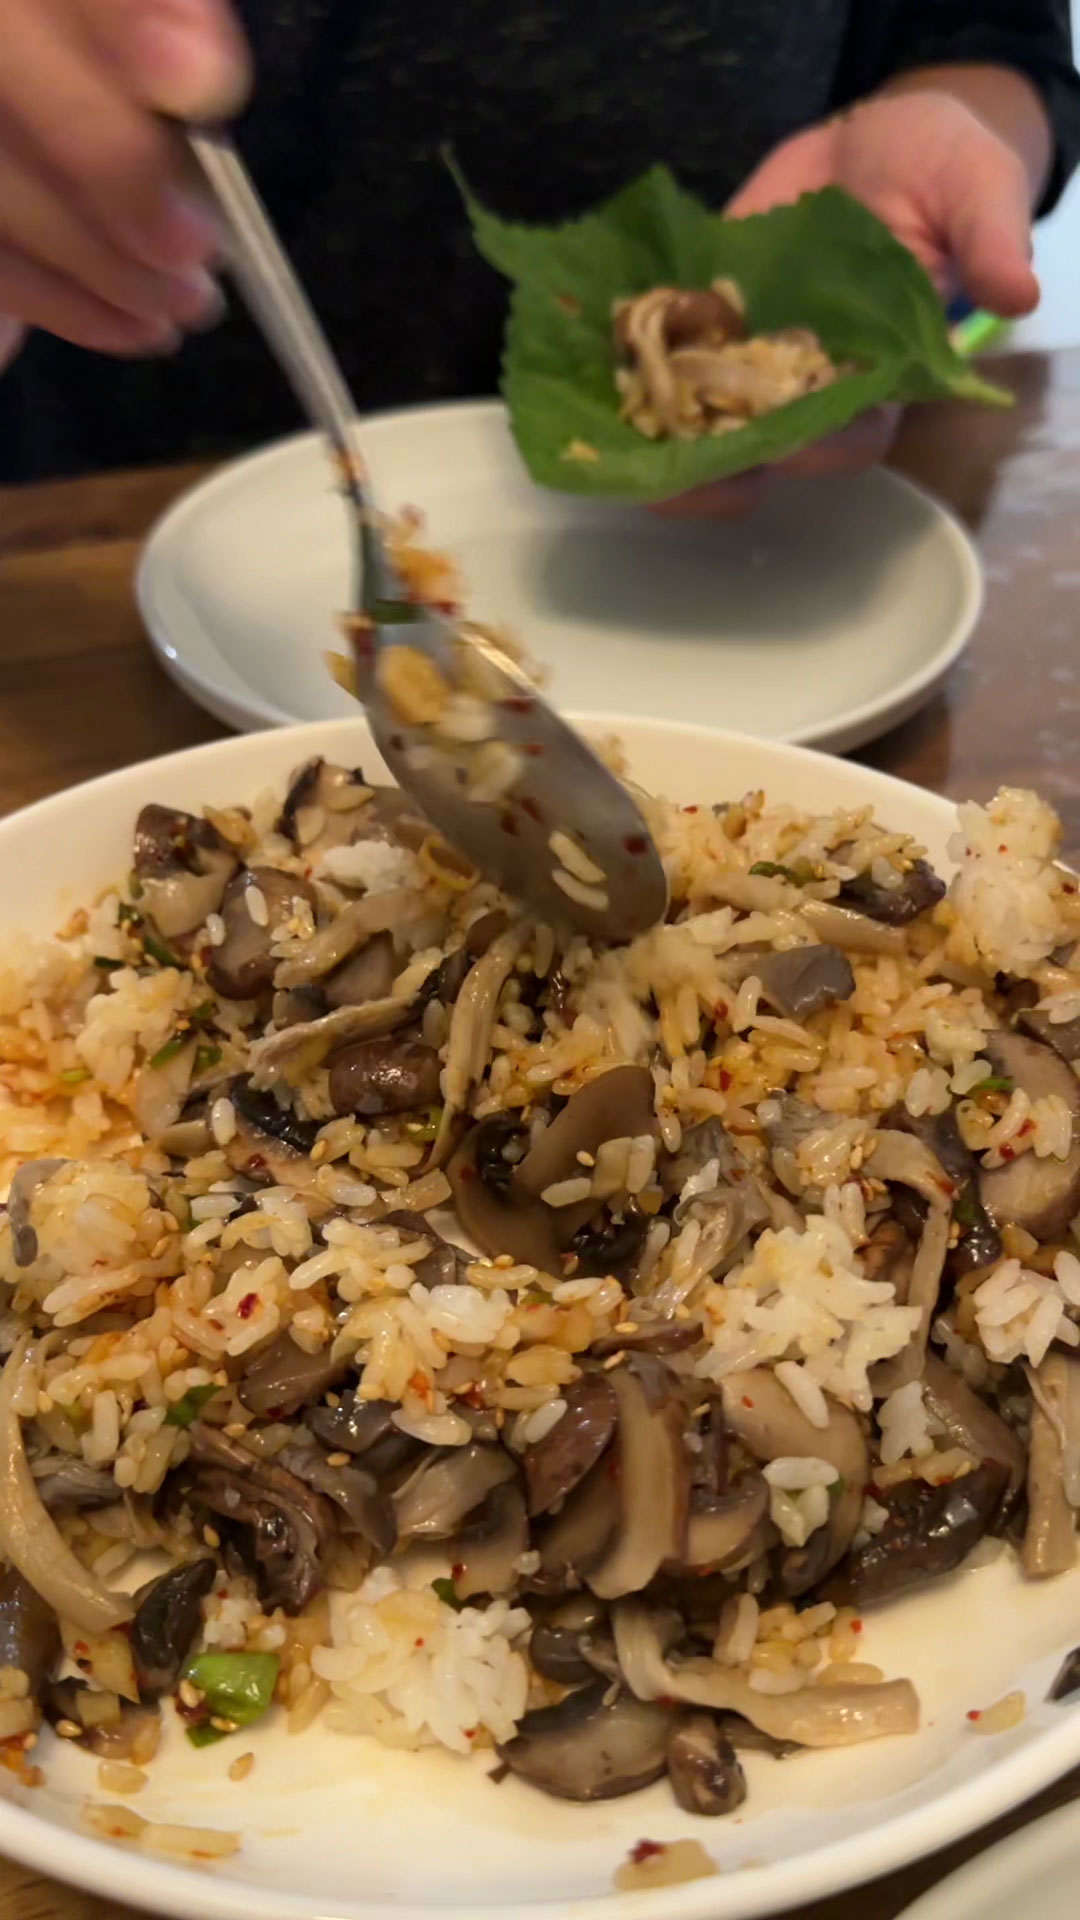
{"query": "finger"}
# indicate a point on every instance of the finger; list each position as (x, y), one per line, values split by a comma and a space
(12, 334)
(985, 217)
(723, 500)
(43, 298)
(187, 58)
(801, 165)
(37, 222)
(862, 444)
(112, 159)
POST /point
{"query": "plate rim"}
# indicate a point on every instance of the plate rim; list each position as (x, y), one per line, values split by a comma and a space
(1054, 1833)
(219, 689)
(741, 1894)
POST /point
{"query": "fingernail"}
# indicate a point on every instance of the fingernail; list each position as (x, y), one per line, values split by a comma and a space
(196, 300)
(155, 340)
(184, 63)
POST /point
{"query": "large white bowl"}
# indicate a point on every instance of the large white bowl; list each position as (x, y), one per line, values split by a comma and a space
(339, 1829)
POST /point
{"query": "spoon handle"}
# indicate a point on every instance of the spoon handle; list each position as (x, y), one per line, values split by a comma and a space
(270, 286)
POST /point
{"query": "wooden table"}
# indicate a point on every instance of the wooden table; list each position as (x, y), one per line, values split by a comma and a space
(81, 694)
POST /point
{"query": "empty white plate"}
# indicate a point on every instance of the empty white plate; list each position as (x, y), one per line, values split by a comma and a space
(1034, 1871)
(831, 614)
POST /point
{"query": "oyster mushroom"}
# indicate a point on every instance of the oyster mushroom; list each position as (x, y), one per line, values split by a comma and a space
(182, 865)
(363, 1507)
(1049, 1544)
(590, 1747)
(24, 1187)
(970, 1423)
(29, 1630)
(282, 1530)
(270, 1143)
(447, 1486)
(282, 1378)
(286, 1057)
(616, 1105)
(364, 1428)
(917, 889)
(242, 966)
(800, 981)
(1039, 1194)
(1062, 1035)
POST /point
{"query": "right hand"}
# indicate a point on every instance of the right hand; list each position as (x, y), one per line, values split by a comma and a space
(102, 239)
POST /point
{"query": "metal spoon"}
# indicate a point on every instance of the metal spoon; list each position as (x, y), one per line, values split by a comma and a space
(618, 889)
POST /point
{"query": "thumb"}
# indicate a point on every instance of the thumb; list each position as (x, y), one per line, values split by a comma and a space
(986, 229)
(185, 58)
(12, 334)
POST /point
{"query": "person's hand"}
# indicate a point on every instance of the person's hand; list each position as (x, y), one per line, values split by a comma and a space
(101, 241)
(948, 187)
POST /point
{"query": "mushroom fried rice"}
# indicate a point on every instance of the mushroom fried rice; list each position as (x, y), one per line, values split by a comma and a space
(506, 1343)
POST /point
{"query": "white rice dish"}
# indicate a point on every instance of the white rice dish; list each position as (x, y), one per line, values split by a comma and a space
(519, 1346)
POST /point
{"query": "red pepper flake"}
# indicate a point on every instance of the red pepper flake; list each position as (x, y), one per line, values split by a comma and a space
(568, 304)
(80, 1647)
(856, 1626)
(418, 1643)
(533, 748)
(746, 1400)
(419, 1382)
(646, 1850)
(256, 1163)
(635, 843)
(1028, 1126)
(509, 825)
(532, 808)
(691, 809)
(725, 1079)
(471, 1733)
(247, 1305)
(518, 703)
(457, 1569)
(975, 1714)
(1008, 1153)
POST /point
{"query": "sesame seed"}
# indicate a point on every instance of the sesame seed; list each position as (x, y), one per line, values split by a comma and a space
(211, 1537)
(189, 1694)
(614, 1359)
(337, 1459)
(242, 1766)
(69, 1730)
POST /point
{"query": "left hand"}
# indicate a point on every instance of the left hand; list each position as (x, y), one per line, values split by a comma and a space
(948, 187)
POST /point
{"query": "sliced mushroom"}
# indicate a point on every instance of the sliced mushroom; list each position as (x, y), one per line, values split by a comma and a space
(917, 889)
(182, 865)
(652, 1479)
(761, 1413)
(590, 1748)
(168, 1619)
(389, 1075)
(1049, 1544)
(703, 1768)
(852, 932)
(1062, 1035)
(29, 1630)
(579, 1535)
(929, 1532)
(560, 1645)
(800, 981)
(486, 1555)
(445, 1265)
(242, 966)
(1039, 1194)
(20, 1201)
(615, 1105)
(368, 975)
(498, 1220)
(446, 1488)
(979, 1242)
(328, 806)
(555, 1465)
(283, 1378)
(365, 1427)
(722, 1527)
(970, 1423)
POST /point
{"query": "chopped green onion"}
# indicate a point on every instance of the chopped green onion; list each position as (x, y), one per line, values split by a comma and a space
(966, 1207)
(158, 951)
(135, 886)
(107, 964)
(73, 1075)
(128, 916)
(425, 1124)
(186, 1410)
(836, 1487)
(202, 1015)
(206, 1057)
(799, 875)
(204, 1735)
(447, 1593)
(235, 1686)
(994, 1083)
(169, 1051)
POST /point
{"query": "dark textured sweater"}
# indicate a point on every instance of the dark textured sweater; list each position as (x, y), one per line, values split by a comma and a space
(549, 105)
